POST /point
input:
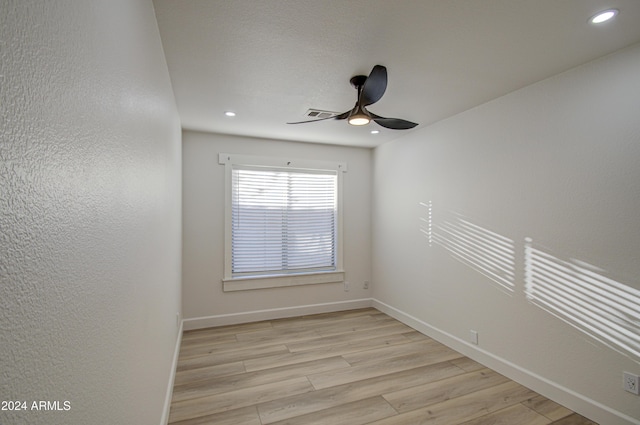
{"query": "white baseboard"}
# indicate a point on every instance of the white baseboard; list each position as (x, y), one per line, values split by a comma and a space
(276, 313)
(164, 420)
(577, 402)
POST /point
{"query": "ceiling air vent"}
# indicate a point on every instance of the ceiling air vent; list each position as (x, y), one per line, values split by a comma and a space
(317, 113)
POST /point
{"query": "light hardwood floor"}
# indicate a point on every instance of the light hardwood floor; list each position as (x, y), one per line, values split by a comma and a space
(354, 367)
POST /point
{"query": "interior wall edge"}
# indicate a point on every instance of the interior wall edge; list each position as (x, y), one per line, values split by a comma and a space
(164, 419)
(577, 402)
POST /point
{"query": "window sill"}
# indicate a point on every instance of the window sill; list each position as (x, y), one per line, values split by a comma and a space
(263, 282)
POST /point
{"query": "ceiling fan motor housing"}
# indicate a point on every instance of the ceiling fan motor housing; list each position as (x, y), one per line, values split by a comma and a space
(357, 81)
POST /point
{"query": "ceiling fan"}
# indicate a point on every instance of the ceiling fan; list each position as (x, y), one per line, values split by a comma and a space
(370, 90)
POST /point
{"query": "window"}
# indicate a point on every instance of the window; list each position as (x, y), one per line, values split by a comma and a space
(283, 222)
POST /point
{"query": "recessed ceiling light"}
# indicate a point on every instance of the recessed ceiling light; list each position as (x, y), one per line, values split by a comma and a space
(230, 114)
(603, 16)
(375, 131)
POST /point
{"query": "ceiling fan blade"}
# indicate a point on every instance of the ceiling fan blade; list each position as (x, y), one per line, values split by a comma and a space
(393, 123)
(374, 86)
(341, 116)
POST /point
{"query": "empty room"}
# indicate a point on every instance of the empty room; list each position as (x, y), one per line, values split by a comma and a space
(320, 212)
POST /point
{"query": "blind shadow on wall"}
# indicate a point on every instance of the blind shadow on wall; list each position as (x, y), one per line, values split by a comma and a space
(576, 292)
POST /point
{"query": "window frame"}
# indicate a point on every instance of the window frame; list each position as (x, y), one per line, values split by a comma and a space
(239, 283)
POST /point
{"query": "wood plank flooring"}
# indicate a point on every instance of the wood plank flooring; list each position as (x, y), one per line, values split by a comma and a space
(353, 367)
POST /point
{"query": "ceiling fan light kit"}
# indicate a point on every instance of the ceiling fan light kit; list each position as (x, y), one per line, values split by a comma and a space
(370, 90)
(359, 120)
(358, 117)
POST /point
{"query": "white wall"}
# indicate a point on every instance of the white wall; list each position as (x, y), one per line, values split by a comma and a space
(557, 162)
(204, 302)
(90, 233)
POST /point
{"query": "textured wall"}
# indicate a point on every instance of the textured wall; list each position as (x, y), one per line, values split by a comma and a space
(533, 234)
(90, 171)
(203, 227)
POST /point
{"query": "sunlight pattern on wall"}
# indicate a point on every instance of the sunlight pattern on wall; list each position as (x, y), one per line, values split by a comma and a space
(485, 251)
(426, 221)
(579, 294)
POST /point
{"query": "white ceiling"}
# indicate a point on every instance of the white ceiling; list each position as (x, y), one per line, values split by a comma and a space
(270, 61)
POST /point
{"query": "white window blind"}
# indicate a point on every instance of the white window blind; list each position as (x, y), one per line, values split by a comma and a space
(283, 221)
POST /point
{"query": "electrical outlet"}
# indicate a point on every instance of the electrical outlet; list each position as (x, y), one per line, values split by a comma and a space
(473, 337)
(178, 319)
(631, 383)
(346, 286)
(366, 284)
